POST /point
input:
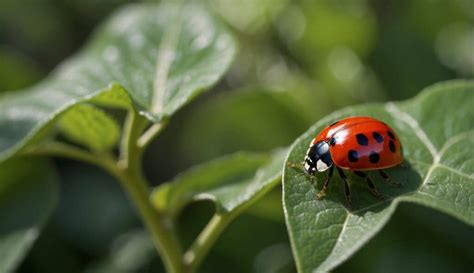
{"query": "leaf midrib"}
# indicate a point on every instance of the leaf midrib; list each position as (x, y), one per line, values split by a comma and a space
(446, 167)
(164, 60)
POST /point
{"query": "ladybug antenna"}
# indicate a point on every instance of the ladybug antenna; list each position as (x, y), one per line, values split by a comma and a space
(300, 175)
(298, 165)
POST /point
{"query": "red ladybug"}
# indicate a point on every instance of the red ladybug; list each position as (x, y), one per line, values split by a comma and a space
(357, 144)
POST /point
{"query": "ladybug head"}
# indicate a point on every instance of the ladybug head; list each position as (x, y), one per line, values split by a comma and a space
(317, 158)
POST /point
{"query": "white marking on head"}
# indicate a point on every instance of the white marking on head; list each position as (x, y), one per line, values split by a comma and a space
(321, 166)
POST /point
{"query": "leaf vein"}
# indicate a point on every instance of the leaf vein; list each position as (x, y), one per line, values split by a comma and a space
(163, 63)
(339, 236)
(437, 159)
(413, 123)
(465, 175)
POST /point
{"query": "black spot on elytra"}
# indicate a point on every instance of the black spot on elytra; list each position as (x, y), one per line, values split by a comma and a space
(392, 147)
(391, 135)
(374, 157)
(362, 139)
(332, 141)
(353, 156)
(378, 137)
(334, 123)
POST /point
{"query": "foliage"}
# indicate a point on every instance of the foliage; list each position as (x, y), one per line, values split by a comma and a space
(437, 172)
(28, 193)
(298, 61)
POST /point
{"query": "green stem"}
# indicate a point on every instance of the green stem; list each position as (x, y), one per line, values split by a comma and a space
(206, 239)
(151, 133)
(133, 127)
(67, 151)
(159, 225)
(129, 173)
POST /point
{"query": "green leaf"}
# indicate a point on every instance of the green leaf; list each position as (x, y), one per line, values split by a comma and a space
(90, 126)
(196, 183)
(436, 129)
(230, 182)
(28, 193)
(233, 183)
(162, 56)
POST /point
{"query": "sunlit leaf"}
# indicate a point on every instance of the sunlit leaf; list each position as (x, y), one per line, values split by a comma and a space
(436, 129)
(162, 56)
(230, 182)
(90, 126)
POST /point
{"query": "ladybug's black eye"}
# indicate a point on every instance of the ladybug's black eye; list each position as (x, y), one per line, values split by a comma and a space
(320, 156)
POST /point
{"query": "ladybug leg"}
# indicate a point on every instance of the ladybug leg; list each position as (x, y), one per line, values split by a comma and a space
(347, 190)
(322, 192)
(312, 179)
(389, 180)
(299, 166)
(372, 188)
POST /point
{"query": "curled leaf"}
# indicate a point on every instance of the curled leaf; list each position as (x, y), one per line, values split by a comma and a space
(155, 58)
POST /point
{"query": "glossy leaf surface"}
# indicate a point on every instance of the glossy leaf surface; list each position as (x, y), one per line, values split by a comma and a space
(155, 58)
(436, 130)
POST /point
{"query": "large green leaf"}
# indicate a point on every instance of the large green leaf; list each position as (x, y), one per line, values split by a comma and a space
(162, 56)
(230, 182)
(28, 193)
(436, 129)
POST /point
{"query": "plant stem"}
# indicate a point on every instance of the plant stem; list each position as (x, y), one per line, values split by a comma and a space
(134, 125)
(203, 243)
(150, 134)
(67, 151)
(159, 225)
(129, 173)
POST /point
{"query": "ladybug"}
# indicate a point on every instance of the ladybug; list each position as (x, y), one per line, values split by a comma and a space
(357, 144)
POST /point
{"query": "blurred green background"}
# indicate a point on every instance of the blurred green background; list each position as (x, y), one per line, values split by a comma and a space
(298, 61)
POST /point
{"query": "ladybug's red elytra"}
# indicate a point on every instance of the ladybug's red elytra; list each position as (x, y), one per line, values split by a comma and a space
(356, 144)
